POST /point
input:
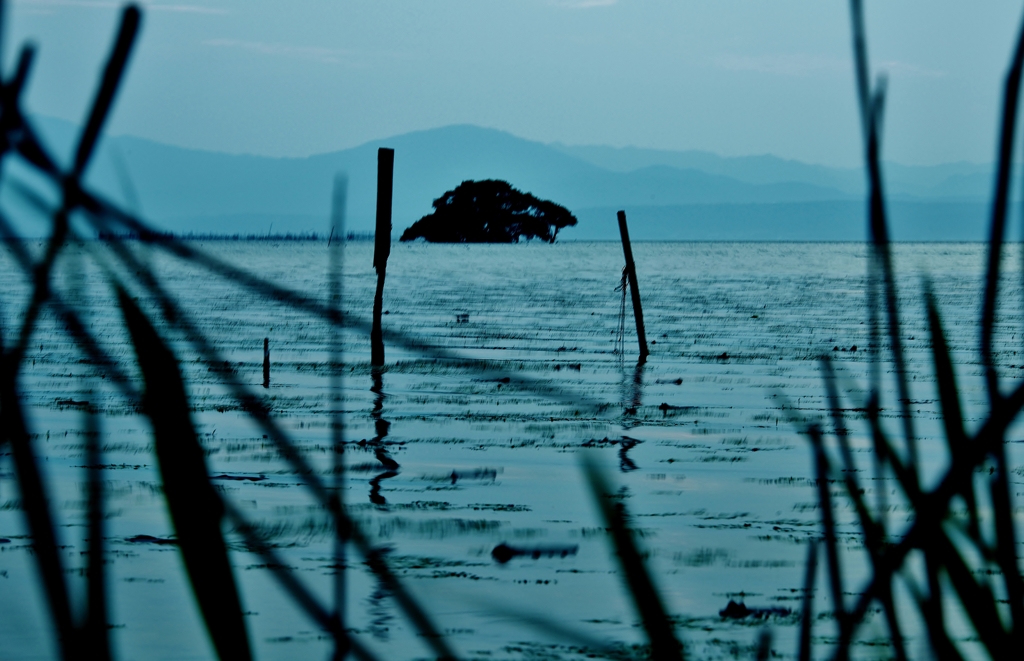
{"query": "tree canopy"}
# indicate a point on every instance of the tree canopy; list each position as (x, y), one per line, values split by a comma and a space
(489, 211)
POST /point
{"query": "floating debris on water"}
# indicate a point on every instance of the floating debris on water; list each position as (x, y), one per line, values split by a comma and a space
(150, 539)
(740, 611)
(503, 552)
(240, 478)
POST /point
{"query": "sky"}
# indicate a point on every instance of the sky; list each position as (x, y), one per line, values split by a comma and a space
(734, 77)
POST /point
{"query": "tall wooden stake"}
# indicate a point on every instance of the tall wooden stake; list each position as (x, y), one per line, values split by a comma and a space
(634, 290)
(266, 362)
(381, 247)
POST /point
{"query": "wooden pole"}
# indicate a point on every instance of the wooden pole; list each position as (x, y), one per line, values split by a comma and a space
(381, 247)
(634, 290)
(266, 362)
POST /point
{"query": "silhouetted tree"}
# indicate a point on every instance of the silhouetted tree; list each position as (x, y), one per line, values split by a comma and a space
(489, 211)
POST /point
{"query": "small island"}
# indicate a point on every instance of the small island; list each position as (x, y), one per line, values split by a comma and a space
(489, 211)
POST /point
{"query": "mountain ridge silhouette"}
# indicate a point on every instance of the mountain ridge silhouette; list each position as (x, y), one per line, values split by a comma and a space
(188, 190)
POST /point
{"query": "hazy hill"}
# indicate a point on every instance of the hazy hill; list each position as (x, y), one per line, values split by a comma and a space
(665, 193)
(794, 221)
(952, 180)
(764, 169)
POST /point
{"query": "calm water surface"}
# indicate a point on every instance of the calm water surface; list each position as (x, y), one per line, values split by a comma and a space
(715, 478)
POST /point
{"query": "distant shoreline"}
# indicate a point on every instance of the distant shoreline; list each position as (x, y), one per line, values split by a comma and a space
(367, 237)
(210, 236)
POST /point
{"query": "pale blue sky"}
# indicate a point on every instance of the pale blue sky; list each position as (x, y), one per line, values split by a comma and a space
(730, 76)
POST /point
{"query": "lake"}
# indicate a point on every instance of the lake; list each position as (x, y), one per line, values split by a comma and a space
(488, 449)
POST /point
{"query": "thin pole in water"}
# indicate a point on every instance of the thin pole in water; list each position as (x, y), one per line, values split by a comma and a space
(266, 362)
(634, 290)
(381, 248)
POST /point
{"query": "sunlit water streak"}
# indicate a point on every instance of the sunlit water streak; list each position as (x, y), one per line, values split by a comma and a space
(717, 482)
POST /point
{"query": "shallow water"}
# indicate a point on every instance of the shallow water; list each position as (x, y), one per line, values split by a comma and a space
(717, 480)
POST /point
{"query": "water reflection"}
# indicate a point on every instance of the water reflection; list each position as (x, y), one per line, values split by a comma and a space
(375, 496)
(380, 610)
(632, 400)
(626, 464)
(632, 394)
(381, 427)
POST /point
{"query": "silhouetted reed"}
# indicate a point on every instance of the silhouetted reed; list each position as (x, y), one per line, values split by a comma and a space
(198, 511)
(934, 537)
(196, 508)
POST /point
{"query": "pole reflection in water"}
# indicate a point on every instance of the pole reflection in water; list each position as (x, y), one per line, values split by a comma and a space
(627, 465)
(375, 496)
(632, 400)
(380, 451)
(380, 609)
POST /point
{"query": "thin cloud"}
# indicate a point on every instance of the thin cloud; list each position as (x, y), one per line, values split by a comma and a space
(100, 4)
(325, 55)
(784, 65)
(897, 68)
(186, 9)
(800, 65)
(586, 4)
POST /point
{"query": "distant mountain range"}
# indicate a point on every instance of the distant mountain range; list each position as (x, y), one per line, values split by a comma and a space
(667, 195)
